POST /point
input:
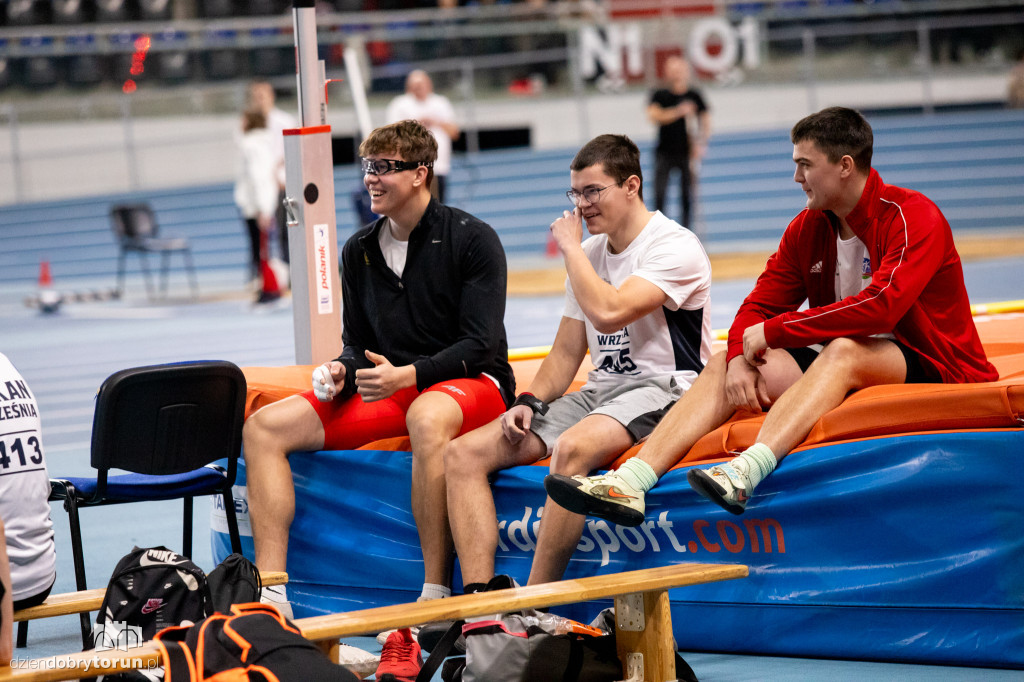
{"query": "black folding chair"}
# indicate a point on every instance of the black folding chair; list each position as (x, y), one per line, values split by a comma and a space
(166, 424)
(137, 231)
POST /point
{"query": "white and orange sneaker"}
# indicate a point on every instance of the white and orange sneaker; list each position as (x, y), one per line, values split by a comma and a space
(723, 485)
(607, 496)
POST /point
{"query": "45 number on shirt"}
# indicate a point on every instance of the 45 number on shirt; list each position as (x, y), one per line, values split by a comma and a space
(622, 364)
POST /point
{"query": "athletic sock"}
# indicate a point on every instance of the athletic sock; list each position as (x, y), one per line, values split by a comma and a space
(274, 594)
(638, 474)
(472, 588)
(432, 591)
(755, 463)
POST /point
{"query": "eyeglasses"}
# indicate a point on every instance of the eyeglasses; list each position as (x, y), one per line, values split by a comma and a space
(385, 166)
(591, 194)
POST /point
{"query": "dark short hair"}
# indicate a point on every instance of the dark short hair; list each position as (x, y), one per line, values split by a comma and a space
(619, 155)
(838, 132)
(409, 139)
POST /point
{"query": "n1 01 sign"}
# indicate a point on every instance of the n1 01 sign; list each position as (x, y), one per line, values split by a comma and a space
(713, 46)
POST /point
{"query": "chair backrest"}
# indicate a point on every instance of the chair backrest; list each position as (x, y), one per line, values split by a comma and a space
(133, 221)
(169, 419)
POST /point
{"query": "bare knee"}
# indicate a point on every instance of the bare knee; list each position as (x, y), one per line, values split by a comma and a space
(569, 457)
(467, 456)
(715, 369)
(841, 357)
(278, 429)
(432, 421)
(257, 436)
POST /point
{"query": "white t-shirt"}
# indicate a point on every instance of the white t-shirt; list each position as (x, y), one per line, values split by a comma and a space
(395, 252)
(673, 340)
(24, 487)
(436, 108)
(853, 270)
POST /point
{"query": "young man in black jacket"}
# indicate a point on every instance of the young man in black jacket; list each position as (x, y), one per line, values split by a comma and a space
(424, 351)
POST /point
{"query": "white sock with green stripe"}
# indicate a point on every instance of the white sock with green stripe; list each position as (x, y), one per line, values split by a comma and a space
(638, 474)
(755, 463)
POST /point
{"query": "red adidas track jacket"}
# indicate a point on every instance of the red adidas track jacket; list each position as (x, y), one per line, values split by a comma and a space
(917, 285)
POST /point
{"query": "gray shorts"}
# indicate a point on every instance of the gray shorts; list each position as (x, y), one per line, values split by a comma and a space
(637, 405)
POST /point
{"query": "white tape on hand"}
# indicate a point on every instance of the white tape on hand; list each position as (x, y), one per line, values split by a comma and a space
(323, 384)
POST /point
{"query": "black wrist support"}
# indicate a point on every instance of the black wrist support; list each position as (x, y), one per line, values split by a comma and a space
(533, 402)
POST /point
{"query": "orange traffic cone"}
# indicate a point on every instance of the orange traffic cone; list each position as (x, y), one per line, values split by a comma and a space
(45, 278)
(271, 290)
(49, 300)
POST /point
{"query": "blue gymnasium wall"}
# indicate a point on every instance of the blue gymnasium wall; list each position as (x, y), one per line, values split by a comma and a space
(898, 549)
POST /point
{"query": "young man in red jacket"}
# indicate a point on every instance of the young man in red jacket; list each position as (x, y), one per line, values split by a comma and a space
(878, 269)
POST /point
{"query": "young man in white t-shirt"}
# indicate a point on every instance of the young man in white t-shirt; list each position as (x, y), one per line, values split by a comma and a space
(886, 304)
(637, 297)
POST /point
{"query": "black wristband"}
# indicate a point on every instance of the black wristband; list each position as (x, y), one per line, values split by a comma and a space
(533, 402)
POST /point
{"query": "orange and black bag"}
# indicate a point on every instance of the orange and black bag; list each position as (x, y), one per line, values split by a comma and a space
(254, 643)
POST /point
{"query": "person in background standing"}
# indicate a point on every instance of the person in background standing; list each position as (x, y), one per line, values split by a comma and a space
(256, 193)
(671, 108)
(421, 103)
(261, 96)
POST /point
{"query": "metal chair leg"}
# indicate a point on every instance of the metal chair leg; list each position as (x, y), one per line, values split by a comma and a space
(186, 540)
(165, 266)
(229, 513)
(191, 269)
(22, 635)
(121, 261)
(145, 273)
(71, 506)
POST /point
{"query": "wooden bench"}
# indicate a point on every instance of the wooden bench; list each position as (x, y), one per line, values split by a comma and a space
(643, 622)
(72, 603)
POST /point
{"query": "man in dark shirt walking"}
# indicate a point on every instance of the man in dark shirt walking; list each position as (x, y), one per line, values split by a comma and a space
(672, 108)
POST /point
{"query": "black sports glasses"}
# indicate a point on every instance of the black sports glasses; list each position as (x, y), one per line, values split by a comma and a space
(385, 166)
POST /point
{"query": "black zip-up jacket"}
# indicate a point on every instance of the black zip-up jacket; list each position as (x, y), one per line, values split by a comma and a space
(445, 315)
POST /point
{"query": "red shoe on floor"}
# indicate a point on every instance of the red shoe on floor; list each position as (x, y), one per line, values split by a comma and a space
(400, 659)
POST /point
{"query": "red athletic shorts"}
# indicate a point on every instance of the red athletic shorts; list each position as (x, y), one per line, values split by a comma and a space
(351, 423)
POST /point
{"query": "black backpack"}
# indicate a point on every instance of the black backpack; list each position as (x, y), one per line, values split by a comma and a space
(151, 588)
(154, 588)
(254, 643)
(236, 580)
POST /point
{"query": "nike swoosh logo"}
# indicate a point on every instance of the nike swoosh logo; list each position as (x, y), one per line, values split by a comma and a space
(144, 560)
(614, 492)
(435, 241)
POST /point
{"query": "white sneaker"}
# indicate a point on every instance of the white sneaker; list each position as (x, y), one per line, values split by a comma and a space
(607, 496)
(723, 485)
(361, 663)
(277, 596)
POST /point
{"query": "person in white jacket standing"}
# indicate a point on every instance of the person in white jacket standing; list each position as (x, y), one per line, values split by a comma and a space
(256, 192)
(421, 103)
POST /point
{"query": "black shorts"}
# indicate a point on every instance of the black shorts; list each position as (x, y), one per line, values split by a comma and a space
(916, 373)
